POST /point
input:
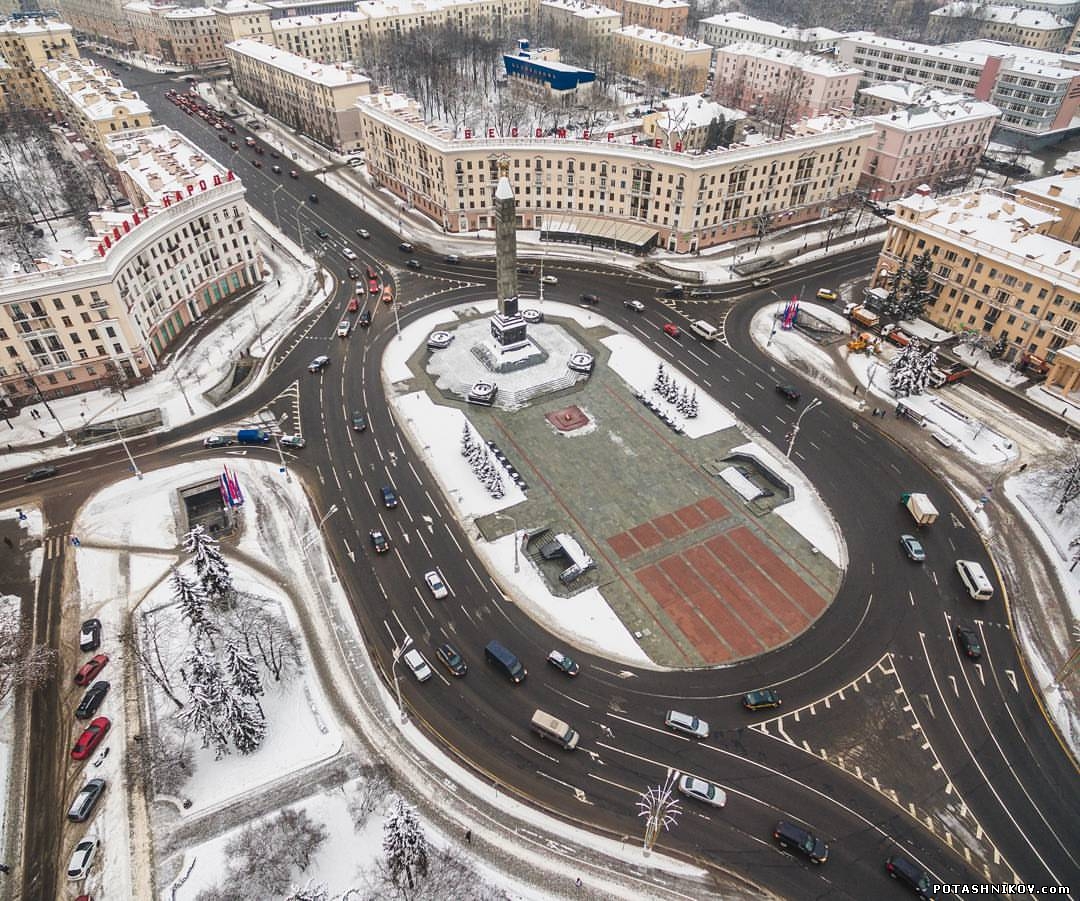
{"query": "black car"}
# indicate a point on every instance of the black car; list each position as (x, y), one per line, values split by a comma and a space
(413, 264)
(353, 274)
(405, 247)
(788, 835)
(365, 319)
(42, 472)
(90, 635)
(968, 641)
(590, 299)
(314, 198)
(91, 701)
(788, 393)
(451, 659)
(359, 421)
(323, 234)
(379, 540)
(389, 497)
(914, 877)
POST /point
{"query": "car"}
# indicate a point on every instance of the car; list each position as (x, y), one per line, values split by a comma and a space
(89, 670)
(414, 264)
(436, 584)
(83, 805)
(405, 247)
(788, 835)
(91, 701)
(313, 198)
(563, 663)
(762, 282)
(82, 858)
(233, 145)
(788, 392)
(292, 441)
(274, 155)
(343, 329)
(452, 258)
(352, 272)
(293, 173)
(913, 876)
(359, 421)
(591, 299)
(276, 169)
(318, 364)
(451, 659)
(349, 254)
(968, 641)
(323, 234)
(217, 441)
(373, 285)
(365, 319)
(41, 472)
(90, 738)
(702, 790)
(380, 542)
(913, 548)
(353, 306)
(90, 635)
(760, 699)
(636, 305)
(415, 661)
(827, 294)
(548, 280)
(257, 164)
(672, 329)
(389, 497)
(363, 233)
(223, 137)
(686, 724)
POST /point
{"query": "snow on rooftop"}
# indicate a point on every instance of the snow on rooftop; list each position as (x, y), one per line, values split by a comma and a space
(296, 22)
(694, 110)
(587, 11)
(904, 93)
(92, 88)
(1014, 15)
(771, 29)
(190, 12)
(159, 160)
(931, 115)
(26, 27)
(1062, 188)
(240, 6)
(807, 62)
(333, 75)
(662, 37)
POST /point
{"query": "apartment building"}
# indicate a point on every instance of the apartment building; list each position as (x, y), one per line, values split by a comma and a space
(593, 188)
(487, 17)
(238, 19)
(1037, 92)
(147, 25)
(103, 20)
(997, 268)
(111, 307)
(1061, 193)
(739, 28)
(314, 98)
(778, 83)
(935, 139)
(93, 102)
(194, 39)
(582, 18)
(659, 15)
(26, 45)
(329, 38)
(1035, 28)
(680, 63)
(693, 124)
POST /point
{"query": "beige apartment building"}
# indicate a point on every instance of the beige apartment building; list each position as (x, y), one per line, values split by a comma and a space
(26, 45)
(329, 38)
(660, 15)
(194, 39)
(111, 307)
(1009, 24)
(94, 102)
(738, 28)
(592, 188)
(237, 19)
(316, 99)
(582, 18)
(682, 64)
(997, 268)
(147, 23)
(102, 20)
(1061, 193)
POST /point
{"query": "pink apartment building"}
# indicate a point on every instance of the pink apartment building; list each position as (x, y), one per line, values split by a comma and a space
(661, 15)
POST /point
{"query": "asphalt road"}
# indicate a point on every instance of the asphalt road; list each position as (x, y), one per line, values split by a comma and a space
(992, 746)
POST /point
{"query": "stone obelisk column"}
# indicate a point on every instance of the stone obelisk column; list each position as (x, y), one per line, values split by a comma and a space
(507, 327)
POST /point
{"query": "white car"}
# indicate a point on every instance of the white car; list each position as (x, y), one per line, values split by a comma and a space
(693, 787)
(348, 254)
(436, 584)
(636, 305)
(688, 725)
(415, 661)
(82, 858)
(343, 328)
(549, 279)
(292, 441)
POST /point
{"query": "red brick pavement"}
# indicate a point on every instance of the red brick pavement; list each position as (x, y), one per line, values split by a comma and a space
(624, 545)
(686, 618)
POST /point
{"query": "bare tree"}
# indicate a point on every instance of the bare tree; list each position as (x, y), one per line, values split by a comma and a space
(157, 651)
(171, 764)
(1066, 478)
(364, 800)
(267, 637)
(21, 661)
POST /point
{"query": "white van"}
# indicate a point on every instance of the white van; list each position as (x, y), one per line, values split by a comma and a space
(705, 330)
(546, 726)
(974, 578)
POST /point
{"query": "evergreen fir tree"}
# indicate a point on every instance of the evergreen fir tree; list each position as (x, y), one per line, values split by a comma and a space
(207, 711)
(902, 371)
(924, 371)
(916, 292)
(895, 289)
(661, 379)
(466, 442)
(672, 391)
(210, 566)
(405, 844)
(248, 723)
(684, 400)
(243, 671)
(192, 601)
(692, 407)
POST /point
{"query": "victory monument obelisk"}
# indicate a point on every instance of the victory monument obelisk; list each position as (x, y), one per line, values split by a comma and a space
(507, 326)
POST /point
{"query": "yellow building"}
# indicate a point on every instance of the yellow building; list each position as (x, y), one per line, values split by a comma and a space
(149, 30)
(194, 39)
(102, 20)
(661, 15)
(680, 64)
(594, 188)
(1062, 194)
(238, 19)
(26, 45)
(997, 268)
(1008, 23)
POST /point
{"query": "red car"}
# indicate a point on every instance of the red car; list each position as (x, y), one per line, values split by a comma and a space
(672, 330)
(373, 286)
(89, 670)
(90, 738)
(354, 305)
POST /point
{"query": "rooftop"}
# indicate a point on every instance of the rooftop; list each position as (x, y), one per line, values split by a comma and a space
(1023, 59)
(160, 160)
(807, 62)
(916, 116)
(1061, 188)
(662, 37)
(234, 7)
(662, 4)
(693, 110)
(772, 29)
(313, 21)
(27, 27)
(190, 12)
(333, 75)
(904, 93)
(583, 10)
(1023, 18)
(144, 6)
(98, 93)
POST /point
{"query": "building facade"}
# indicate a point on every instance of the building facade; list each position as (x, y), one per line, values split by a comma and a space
(1061, 193)
(107, 311)
(595, 184)
(739, 28)
(238, 19)
(659, 15)
(680, 63)
(194, 39)
(146, 22)
(26, 45)
(317, 99)
(1010, 24)
(589, 19)
(997, 269)
(102, 20)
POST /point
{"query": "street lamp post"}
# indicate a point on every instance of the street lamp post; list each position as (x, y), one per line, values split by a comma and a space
(299, 231)
(400, 649)
(794, 433)
(513, 522)
(277, 442)
(131, 459)
(309, 538)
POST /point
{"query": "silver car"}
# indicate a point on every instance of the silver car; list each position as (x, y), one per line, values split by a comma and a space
(415, 661)
(686, 724)
(693, 787)
(82, 858)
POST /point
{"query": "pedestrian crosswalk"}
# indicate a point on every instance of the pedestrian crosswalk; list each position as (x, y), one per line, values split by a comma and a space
(54, 545)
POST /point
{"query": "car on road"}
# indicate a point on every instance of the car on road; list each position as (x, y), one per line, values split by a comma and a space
(293, 173)
(313, 198)
(702, 790)
(591, 299)
(365, 319)
(548, 280)
(373, 285)
(436, 585)
(359, 421)
(349, 254)
(91, 701)
(636, 305)
(83, 805)
(761, 699)
(257, 164)
(405, 247)
(318, 364)
(89, 670)
(354, 305)
(913, 548)
(41, 472)
(686, 724)
(673, 330)
(968, 641)
(91, 738)
(415, 661)
(788, 835)
(761, 282)
(343, 329)
(276, 169)
(233, 145)
(82, 858)
(914, 877)
(414, 264)
(452, 258)
(90, 635)
(827, 294)
(389, 497)
(563, 663)
(323, 234)
(380, 542)
(217, 441)
(451, 659)
(352, 272)
(363, 233)
(788, 392)
(292, 441)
